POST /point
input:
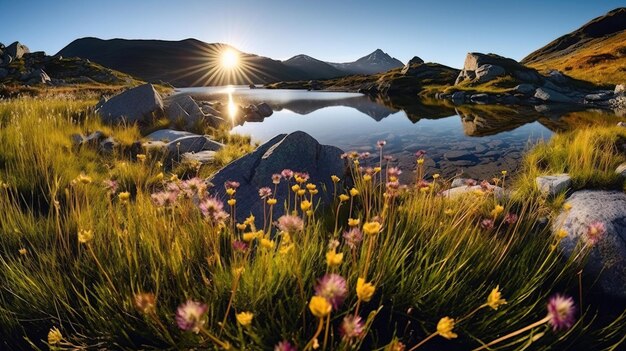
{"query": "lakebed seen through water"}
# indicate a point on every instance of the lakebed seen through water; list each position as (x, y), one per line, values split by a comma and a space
(476, 141)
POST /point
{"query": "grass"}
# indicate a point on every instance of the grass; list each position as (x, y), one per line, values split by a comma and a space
(108, 268)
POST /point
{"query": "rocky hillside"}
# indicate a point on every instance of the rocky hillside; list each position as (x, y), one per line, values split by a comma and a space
(595, 52)
(19, 66)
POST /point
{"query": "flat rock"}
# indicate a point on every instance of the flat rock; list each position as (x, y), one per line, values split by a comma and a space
(464, 189)
(202, 157)
(168, 135)
(608, 256)
(458, 155)
(134, 105)
(297, 151)
(193, 144)
(552, 185)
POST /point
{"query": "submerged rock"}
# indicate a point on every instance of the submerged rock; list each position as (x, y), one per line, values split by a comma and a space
(604, 211)
(297, 151)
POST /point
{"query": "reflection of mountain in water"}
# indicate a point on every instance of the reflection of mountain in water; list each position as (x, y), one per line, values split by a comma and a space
(360, 103)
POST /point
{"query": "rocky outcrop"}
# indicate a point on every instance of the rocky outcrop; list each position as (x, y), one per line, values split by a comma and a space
(481, 68)
(597, 220)
(184, 110)
(135, 105)
(412, 63)
(16, 50)
(297, 151)
(177, 146)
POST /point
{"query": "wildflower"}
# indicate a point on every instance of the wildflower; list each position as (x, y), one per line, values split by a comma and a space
(595, 231)
(311, 186)
(495, 300)
(449, 211)
(510, 218)
(301, 192)
(333, 258)
(354, 192)
(231, 202)
(301, 177)
(313, 191)
(272, 201)
(164, 198)
(561, 234)
(445, 327)
(159, 177)
(353, 222)
(84, 179)
(420, 161)
(284, 346)
(377, 169)
(213, 210)
(364, 291)
(305, 205)
(394, 172)
(487, 223)
(364, 155)
(561, 311)
(394, 185)
(54, 336)
(265, 192)
(503, 173)
(343, 197)
(381, 143)
(250, 220)
(231, 191)
(295, 188)
(420, 153)
(239, 246)
(241, 226)
(333, 288)
(497, 210)
(436, 175)
(290, 224)
(110, 186)
(267, 243)
(244, 318)
(371, 228)
(231, 184)
(334, 178)
(124, 197)
(141, 157)
(367, 177)
(276, 178)
(85, 236)
(351, 327)
(287, 174)
(22, 251)
(145, 302)
(238, 271)
(249, 236)
(319, 306)
(174, 178)
(190, 316)
(567, 206)
(388, 158)
(353, 237)
(396, 345)
(333, 244)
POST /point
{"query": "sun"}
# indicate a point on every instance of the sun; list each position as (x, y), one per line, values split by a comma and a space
(229, 59)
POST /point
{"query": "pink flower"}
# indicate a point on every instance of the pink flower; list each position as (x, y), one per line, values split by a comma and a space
(333, 288)
(595, 231)
(164, 198)
(364, 155)
(381, 143)
(393, 185)
(193, 186)
(276, 178)
(420, 153)
(394, 172)
(388, 158)
(190, 316)
(111, 186)
(265, 192)
(231, 184)
(561, 311)
(213, 210)
(510, 218)
(487, 224)
(290, 224)
(351, 327)
(485, 185)
(239, 246)
(303, 175)
(284, 346)
(422, 184)
(287, 173)
(353, 237)
(369, 171)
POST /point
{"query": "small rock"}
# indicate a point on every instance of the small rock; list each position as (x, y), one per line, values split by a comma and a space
(108, 145)
(621, 170)
(480, 98)
(203, 157)
(457, 182)
(620, 89)
(621, 124)
(550, 95)
(462, 190)
(168, 135)
(525, 89)
(553, 184)
(602, 96)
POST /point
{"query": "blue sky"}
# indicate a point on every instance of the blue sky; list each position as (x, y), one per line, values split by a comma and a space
(439, 31)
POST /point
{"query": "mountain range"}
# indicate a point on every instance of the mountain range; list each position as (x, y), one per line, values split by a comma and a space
(190, 62)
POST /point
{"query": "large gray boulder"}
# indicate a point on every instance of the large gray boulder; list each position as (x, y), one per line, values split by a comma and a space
(488, 72)
(297, 151)
(16, 50)
(183, 108)
(549, 95)
(132, 106)
(608, 255)
(498, 66)
(38, 76)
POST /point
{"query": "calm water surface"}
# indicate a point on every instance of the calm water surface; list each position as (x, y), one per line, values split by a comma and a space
(471, 140)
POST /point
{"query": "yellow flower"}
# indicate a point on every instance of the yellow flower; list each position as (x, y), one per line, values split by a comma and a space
(377, 169)
(267, 243)
(231, 191)
(420, 161)
(436, 175)
(141, 157)
(561, 233)
(503, 173)
(343, 197)
(313, 191)
(249, 220)
(249, 236)
(174, 178)
(319, 306)
(241, 226)
(497, 210)
(371, 228)
(356, 163)
(367, 177)
(445, 327)
(54, 336)
(364, 291)
(495, 300)
(244, 318)
(231, 202)
(295, 188)
(271, 202)
(22, 251)
(301, 192)
(309, 213)
(334, 178)
(159, 164)
(300, 180)
(449, 212)
(567, 206)
(285, 249)
(311, 186)
(333, 258)
(124, 196)
(353, 222)
(354, 192)
(159, 176)
(85, 236)
(305, 205)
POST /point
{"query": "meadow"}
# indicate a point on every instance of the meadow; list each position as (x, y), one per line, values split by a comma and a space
(117, 252)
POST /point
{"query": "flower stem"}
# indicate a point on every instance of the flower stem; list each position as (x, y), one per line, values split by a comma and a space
(515, 333)
(424, 341)
(317, 333)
